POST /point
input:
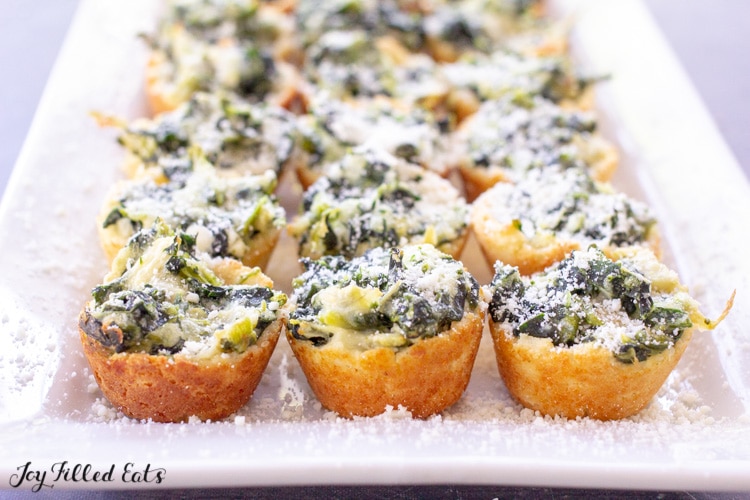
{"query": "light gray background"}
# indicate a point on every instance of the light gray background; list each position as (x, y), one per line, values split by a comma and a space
(710, 38)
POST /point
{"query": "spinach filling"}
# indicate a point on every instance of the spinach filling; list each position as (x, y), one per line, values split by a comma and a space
(186, 302)
(346, 63)
(332, 127)
(370, 199)
(522, 132)
(383, 294)
(194, 31)
(563, 305)
(222, 210)
(570, 204)
(230, 133)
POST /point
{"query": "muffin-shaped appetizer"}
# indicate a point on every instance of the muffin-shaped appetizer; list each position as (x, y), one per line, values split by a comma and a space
(372, 199)
(510, 136)
(214, 45)
(392, 327)
(235, 217)
(477, 78)
(236, 136)
(171, 334)
(332, 127)
(591, 336)
(542, 218)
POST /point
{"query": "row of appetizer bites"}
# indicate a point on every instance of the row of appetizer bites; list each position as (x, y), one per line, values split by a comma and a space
(373, 197)
(352, 50)
(374, 327)
(503, 141)
(181, 327)
(419, 99)
(247, 46)
(398, 200)
(594, 335)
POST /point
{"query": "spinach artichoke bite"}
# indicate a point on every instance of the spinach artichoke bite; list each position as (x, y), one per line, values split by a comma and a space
(370, 198)
(238, 137)
(332, 127)
(518, 132)
(235, 217)
(552, 211)
(238, 46)
(591, 336)
(392, 327)
(172, 333)
(476, 78)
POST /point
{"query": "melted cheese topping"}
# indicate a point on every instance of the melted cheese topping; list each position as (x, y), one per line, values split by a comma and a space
(405, 132)
(500, 73)
(519, 133)
(224, 214)
(370, 198)
(218, 46)
(634, 307)
(570, 206)
(381, 299)
(164, 309)
(236, 136)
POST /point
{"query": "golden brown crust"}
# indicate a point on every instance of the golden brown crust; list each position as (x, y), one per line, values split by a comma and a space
(504, 242)
(443, 51)
(260, 248)
(159, 101)
(306, 175)
(580, 381)
(425, 378)
(600, 155)
(456, 247)
(478, 180)
(173, 389)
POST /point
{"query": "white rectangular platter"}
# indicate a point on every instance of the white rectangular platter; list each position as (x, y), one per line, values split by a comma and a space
(694, 435)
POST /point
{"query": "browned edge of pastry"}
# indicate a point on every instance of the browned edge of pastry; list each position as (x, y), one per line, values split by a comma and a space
(579, 381)
(173, 389)
(425, 378)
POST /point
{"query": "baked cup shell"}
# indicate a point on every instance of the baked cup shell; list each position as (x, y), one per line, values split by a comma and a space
(456, 247)
(425, 378)
(579, 381)
(505, 243)
(173, 389)
(501, 241)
